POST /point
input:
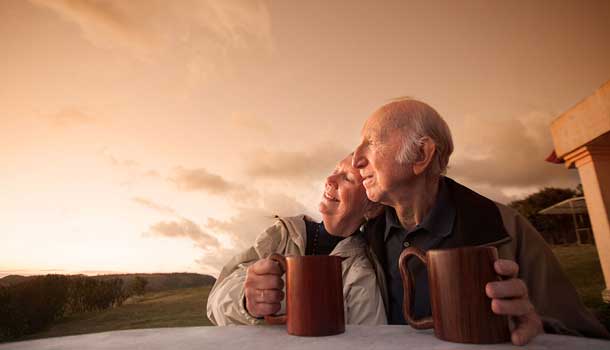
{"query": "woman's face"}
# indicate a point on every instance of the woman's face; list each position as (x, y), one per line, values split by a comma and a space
(344, 201)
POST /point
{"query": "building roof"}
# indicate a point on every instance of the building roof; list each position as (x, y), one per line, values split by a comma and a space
(575, 205)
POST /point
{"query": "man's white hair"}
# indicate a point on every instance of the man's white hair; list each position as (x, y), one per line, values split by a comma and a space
(418, 120)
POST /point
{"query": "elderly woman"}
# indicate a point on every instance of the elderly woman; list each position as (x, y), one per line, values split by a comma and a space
(250, 286)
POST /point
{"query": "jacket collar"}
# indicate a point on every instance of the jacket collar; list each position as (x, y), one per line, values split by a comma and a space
(477, 222)
(478, 219)
(438, 222)
(297, 231)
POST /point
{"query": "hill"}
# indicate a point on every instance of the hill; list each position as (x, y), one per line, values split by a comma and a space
(156, 281)
(174, 308)
(164, 281)
(12, 280)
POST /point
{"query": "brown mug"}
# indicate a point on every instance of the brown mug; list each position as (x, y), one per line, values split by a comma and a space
(314, 295)
(461, 311)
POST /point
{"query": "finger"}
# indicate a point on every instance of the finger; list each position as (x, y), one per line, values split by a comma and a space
(511, 307)
(528, 328)
(512, 288)
(269, 282)
(507, 268)
(258, 309)
(268, 296)
(254, 295)
(264, 309)
(263, 282)
(266, 267)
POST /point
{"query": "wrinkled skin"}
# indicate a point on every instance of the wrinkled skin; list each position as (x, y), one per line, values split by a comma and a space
(406, 188)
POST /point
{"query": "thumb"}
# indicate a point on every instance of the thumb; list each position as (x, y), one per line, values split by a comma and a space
(527, 327)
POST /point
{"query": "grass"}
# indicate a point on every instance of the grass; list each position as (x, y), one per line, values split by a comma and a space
(172, 308)
(581, 264)
(186, 307)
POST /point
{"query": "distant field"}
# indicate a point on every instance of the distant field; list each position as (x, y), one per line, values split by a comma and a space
(581, 264)
(186, 307)
(172, 308)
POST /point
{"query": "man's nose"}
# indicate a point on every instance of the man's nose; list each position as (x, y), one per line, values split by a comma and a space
(358, 160)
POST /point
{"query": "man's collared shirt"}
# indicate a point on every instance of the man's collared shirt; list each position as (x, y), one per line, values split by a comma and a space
(437, 225)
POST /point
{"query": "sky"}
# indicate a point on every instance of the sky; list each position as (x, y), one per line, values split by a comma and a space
(157, 136)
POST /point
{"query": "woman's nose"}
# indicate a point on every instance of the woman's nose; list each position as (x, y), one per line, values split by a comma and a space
(331, 181)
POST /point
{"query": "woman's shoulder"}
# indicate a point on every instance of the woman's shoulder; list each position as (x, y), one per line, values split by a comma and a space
(353, 248)
(277, 237)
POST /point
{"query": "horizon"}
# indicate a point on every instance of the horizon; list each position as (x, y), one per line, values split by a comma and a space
(152, 136)
(100, 273)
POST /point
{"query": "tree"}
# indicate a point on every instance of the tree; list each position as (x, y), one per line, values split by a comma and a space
(554, 228)
(139, 285)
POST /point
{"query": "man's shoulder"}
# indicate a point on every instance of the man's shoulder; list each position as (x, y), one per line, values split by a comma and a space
(461, 193)
(515, 223)
(508, 212)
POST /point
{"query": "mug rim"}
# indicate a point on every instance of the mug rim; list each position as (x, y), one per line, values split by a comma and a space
(463, 249)
(312, 257)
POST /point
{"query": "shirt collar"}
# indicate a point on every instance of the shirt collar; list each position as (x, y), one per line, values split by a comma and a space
(439, 220)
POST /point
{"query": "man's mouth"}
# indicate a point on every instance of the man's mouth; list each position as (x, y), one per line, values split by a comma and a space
(366, 180)
(330, 197)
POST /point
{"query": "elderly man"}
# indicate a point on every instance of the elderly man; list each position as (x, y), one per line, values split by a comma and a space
(403, 155)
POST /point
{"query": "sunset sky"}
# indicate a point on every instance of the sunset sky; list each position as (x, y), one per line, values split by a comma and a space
(162, 136)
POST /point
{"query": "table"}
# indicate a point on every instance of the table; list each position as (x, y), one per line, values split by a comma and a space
(275, 337)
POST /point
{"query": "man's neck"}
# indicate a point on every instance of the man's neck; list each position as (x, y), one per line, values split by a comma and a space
(416, 201)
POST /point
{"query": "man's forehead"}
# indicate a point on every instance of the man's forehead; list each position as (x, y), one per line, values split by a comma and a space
(376, 126)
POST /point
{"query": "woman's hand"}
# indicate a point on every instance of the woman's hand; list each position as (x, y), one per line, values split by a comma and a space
(263, 288)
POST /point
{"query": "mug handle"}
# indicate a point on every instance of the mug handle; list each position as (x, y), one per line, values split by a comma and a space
(277, 319)
(408, 285)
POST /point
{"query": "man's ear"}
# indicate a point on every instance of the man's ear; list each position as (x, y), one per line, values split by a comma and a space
(427, 149)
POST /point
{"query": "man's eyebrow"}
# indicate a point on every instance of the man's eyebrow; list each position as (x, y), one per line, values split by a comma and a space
(376, 133)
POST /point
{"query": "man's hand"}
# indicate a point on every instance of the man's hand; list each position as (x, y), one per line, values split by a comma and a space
(263, 288)
(510, 297)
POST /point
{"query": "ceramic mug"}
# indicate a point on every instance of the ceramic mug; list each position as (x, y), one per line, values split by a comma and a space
(461, 311)
(314, 295)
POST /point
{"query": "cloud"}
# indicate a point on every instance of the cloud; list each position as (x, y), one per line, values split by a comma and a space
(506, 156)
(69, 117)
(201, 34)
(184, 228)
(151, 173)
(104, 23)
(311, 165)
(202, 180)
(119, 163)
(251, 220)
(152, 205)
(220, 240)
(243, 228)
(250, 123)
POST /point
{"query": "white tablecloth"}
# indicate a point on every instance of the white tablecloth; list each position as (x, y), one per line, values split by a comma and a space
(275, 337)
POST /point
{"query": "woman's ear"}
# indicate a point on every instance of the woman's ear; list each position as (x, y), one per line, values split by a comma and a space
(373, 210)
(426, 153)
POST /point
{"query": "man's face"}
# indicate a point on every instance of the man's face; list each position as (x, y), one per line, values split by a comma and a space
(375, 158)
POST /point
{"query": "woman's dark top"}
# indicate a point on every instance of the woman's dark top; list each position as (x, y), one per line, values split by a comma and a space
(319, 241)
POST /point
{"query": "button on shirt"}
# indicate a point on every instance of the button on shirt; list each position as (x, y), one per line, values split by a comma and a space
(437, 225)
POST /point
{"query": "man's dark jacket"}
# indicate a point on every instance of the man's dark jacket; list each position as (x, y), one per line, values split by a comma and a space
(482, 222)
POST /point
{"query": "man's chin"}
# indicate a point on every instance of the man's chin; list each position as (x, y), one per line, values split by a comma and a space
(372, 195)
